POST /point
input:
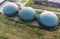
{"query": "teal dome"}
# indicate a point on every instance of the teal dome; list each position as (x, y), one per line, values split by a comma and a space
(48, 19)
(27, 14)
(10, 10)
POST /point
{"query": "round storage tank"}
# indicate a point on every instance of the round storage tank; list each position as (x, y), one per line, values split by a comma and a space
(48, 19)
(10, 10)
(27, 14)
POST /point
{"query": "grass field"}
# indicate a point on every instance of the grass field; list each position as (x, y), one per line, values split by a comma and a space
(9, 29)
(30, 3)
(23, 1)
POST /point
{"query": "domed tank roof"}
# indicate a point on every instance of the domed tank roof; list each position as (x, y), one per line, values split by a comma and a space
(10, 10)
(48, 19)
(27, 14)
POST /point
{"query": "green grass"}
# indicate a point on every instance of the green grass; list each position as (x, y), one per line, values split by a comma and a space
(3, 38)
(13, 30)
(23, 1)
(30, 3)
(10, 29)
(45, 8)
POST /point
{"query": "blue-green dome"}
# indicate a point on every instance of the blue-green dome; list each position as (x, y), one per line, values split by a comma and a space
(10, 10)
(27, 14)
(48, 19)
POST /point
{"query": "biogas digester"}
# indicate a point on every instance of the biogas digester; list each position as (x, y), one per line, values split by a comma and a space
(10, 10)
(26, 14)
(48, 19)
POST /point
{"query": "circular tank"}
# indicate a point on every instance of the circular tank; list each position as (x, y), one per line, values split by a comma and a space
(48, 19)
(10, 10)
(27, 14)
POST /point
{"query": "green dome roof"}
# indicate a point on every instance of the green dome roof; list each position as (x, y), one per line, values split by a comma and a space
(48, 19)
(27, 14)
(10, 10)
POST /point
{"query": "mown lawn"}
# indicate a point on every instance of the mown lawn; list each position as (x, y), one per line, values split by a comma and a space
(45, 8)
(23, 1)
(9, 29)
(30, 4)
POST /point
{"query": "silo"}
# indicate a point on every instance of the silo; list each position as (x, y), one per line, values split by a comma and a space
(27, 14)
(10, 10)
(48, 19)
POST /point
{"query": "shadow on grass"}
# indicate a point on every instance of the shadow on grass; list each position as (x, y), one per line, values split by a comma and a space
(3, 38)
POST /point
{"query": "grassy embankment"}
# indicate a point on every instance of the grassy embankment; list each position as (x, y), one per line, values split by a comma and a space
(10, 29)
(30, 3)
